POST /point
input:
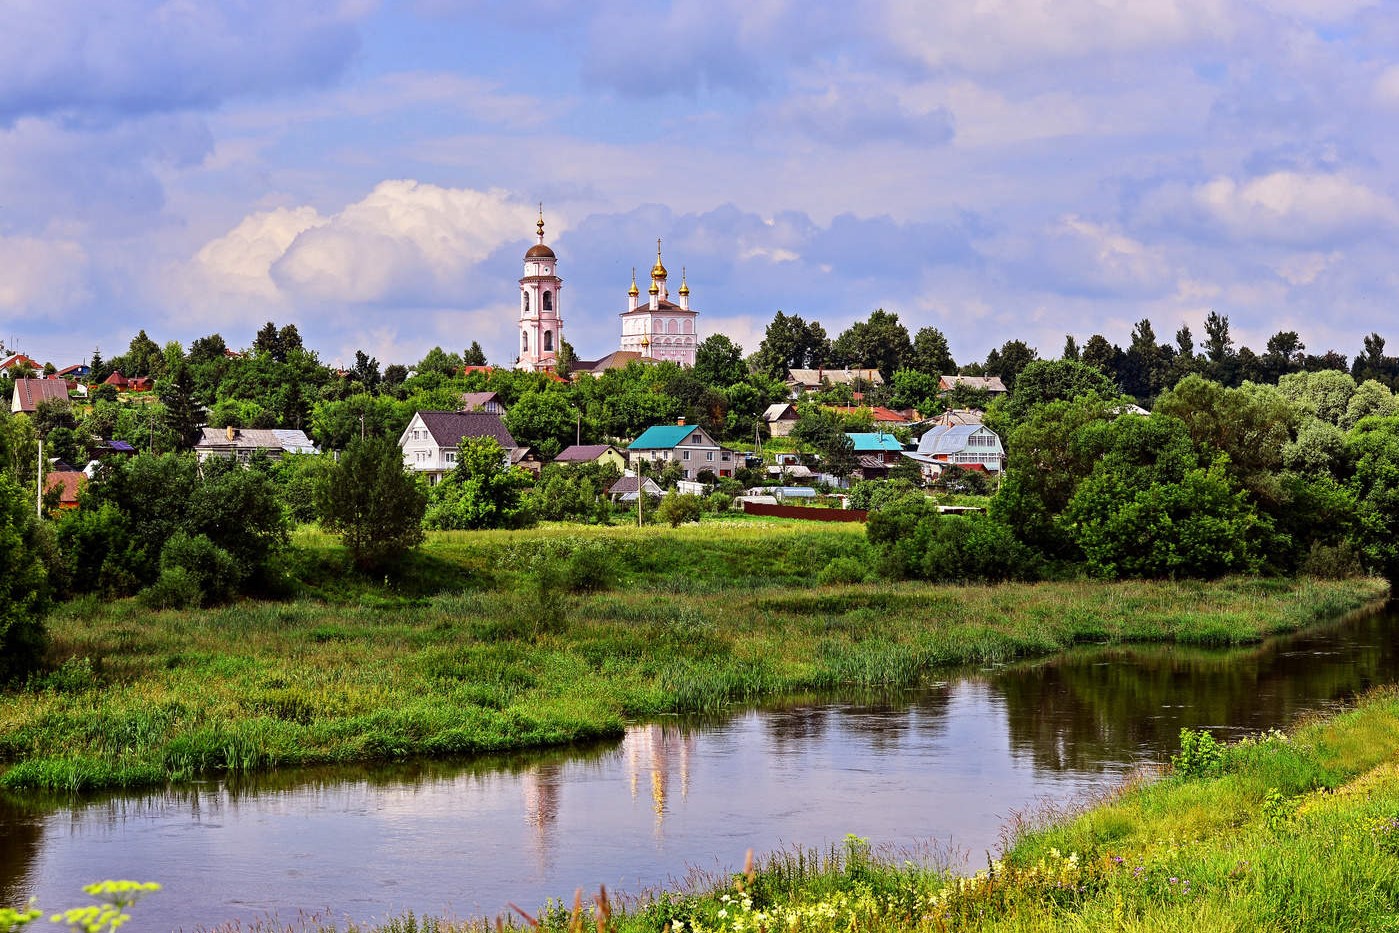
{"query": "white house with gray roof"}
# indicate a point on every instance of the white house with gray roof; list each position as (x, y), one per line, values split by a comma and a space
(243, 443)
(970, 446)
(429, 443)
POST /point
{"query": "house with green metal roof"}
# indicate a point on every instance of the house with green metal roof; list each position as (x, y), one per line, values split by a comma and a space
(875, 451)
(686, 444)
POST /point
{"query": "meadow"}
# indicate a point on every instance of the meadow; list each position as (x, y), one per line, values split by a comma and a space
(492, 641)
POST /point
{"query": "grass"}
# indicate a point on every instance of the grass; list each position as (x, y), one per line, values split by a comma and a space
(499, 641)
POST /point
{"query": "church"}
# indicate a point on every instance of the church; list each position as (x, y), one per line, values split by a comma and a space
(655, 329)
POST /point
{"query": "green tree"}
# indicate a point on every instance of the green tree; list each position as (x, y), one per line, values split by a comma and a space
(1372, 447)
(719, 361)
(824, 432)
(24, 591)
(931, 354)
(544, 420)
(484, 491)
(1045, 381)
(371, 501)
(176, 392)
(366, 371)
(791, 343)
(880, 342)
(678, 508)
(1008, 361)
(1221, 360)
(441, 362)
(473, 355)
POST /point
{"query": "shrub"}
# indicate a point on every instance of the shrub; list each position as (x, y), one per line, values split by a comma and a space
(1331, 562)
(842, 570)
(677, 508)
(213, 569)
(1200, 754)
(175, 588)
(24, 592)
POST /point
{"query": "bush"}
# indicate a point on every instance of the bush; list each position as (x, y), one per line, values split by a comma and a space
(24, 594)
(917, 542)
(1331, 562)
(592, 566)
(842, 570)
(175, 588)
(677, 508)
(719, 502)
(213, 569)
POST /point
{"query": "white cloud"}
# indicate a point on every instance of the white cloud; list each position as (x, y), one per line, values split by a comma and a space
(1386, 87)
(239, 262)
(1293, 206)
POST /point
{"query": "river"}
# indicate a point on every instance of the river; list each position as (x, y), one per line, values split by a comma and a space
(936, 771)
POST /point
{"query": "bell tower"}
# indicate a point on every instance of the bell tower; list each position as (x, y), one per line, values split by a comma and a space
(541, 318)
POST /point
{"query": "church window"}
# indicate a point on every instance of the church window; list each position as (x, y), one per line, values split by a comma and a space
(524, 343)
(548, 302)
(548, 334)
(689, 327)
(670, 327)
(526, 297)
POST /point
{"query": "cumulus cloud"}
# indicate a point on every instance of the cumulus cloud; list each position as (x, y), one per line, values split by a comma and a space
(859, 113)
(77, 59)
(406, 243)
(1083, 257)
(1294, 207)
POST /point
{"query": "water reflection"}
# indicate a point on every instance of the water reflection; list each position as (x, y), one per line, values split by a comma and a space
(465, 838)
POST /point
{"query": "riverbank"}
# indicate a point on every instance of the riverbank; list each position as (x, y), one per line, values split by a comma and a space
(557, 640)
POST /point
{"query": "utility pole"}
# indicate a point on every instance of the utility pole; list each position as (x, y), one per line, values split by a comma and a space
(39, 486)
(640, 489)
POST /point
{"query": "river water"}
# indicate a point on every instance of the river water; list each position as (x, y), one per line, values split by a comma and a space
(937, 770)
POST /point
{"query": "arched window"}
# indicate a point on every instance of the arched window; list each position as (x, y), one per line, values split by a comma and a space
(524, 342)
(670, 326)
(689, 326)
(525, 295)
(548, 303)
(548, 334)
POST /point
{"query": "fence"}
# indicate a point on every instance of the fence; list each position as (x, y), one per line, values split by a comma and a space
(806, 511)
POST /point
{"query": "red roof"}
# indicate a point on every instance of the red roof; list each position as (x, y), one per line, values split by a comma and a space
(878, 412)
(67, 482)
(30, 392)
(115, 379)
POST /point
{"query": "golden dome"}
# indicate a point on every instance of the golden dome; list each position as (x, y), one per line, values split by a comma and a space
(633, 291)
(684, 287)
(658, 270)
(654, 289)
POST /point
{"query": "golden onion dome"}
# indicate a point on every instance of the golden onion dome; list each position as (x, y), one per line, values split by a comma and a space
(654, 289)
(684, 286)
(658, 270)
(633, 291)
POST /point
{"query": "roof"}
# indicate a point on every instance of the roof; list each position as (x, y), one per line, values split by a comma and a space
(14, 359)
(871, 462)
(628, 484)
(118, 447)
(288, 440)
(472, 400)
(115, 379)
(867, 441)
(984, 383)
(877, 412)
(67, 482)
(583, 453)
(955, 416)
(80, 369)
(617, 359)
(944, 439)
(814, 377)
(31, 391)
(662, 304)
(448, 428)
(539, 251)
(664, 436)
(779, 412)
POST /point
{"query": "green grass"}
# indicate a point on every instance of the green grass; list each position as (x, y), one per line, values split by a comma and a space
(496, 641)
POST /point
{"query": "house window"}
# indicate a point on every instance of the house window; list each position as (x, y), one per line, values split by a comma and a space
(685, 455)
(451, 456)
(695, 439)
(709, 455)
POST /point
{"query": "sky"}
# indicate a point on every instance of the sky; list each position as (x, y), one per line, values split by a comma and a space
(998, 169)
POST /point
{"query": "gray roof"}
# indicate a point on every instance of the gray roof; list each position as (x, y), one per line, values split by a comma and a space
(775, 412)
(287, 440)
(985, 383)
(473, 400)
(628, 485)
(582, 453)
(449, 427)
(843, 376)
(949, 440)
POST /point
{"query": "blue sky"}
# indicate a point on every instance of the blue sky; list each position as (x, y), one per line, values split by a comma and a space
(1011, 168)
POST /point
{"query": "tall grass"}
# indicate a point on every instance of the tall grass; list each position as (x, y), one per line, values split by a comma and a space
(697, 619)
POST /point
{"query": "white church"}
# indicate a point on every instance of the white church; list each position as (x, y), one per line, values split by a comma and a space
(656, 329)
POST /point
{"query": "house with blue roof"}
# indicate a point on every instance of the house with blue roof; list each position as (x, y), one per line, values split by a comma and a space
(969, 446)
(876, 451)
(686, 444)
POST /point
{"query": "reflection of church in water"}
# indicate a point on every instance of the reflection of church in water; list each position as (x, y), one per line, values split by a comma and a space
(656, 759)
(654, 329)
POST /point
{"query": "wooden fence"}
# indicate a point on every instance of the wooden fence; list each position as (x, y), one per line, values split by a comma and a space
(806, 511)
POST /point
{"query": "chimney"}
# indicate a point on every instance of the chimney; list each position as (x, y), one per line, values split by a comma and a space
(230, 432)
(680, 423)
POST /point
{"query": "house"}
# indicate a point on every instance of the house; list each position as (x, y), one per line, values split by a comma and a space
(593, 453)
(29, 392)
(617, 359)
(76, 371)
(991, 384)
(117, 381)
(140, 383)
(970, 446)
(957, 416)
(878, 413)
(430, 441)
(876, 452)
(18, 360)
(688, 445)
(482, 401)
(781, 418)
(624, 490)
(813, 380)
(68, 483)
(243, 443)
